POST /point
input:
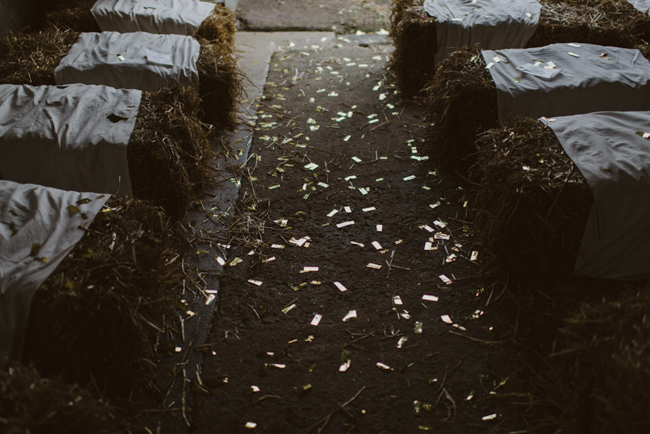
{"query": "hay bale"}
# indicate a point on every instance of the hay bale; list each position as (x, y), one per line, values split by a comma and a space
(531, 203)
(601, 22)
(597, 378)
(167, 131)
(461, 102)
(32, 404)
(414, 36)
(221, 83)
(169, 152)
(220, 27)
(98, 316)
(73, 15)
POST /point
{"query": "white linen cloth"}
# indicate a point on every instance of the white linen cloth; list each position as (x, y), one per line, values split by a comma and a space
(641, 5)
(178, 17)
(591, 78)
(493, 24)
(29, 215)
(71, 137)
(124, 60)
(615, 160)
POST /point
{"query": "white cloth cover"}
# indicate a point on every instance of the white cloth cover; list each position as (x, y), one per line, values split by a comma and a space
(600, 79)
(493, 24)
(32, 214)
(72, 137)
(163, 17)
(642, 5)
(130, 60)
(615, 160)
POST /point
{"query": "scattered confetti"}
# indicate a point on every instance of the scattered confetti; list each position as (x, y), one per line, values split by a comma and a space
(344, 224)
(376, 245)
(446, 319)
(429, 297)
(445, 279)
(372, 208)
(380, 228)
(309, 269)
(375, 266)
(255, 282)
(316, 319)
(384, 366)
(350, 315)
(340, 286)
(397, 300)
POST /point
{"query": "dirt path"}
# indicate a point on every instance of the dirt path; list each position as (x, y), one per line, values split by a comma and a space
(334, 145)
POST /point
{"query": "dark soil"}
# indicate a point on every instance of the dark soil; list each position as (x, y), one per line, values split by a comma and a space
(447, 365)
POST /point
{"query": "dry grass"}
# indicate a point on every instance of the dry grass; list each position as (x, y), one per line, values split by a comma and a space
(32, 404)
(532, 202)
(98, 316)
(220, 27)
(73, 15)
(598, 376)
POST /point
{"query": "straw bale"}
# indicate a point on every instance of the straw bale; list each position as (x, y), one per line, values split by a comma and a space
(461, 102)
(598, 376)
(167, 131)
(169, 153)
(73, 15)
(414, 36)
(600, 22)
(30, 58)
(221, 83)
(97, 317)
(220, 27)
(32, 404)
(531, 203)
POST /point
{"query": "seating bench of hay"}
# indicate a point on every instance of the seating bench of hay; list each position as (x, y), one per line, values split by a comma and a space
(566, 195)
(420, 29)
(474, 89)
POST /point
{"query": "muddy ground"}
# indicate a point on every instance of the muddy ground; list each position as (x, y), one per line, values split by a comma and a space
(338, 179)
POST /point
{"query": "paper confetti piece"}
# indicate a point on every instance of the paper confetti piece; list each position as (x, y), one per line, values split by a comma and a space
(250, 425)
(384, 366)
(331, 214)
(220, 261)
(409, 178)
(350, 315)
(446, 319)
(573, 44)
(573, 54)
(309, 269)
(445, 279)
(375, 266)
(345, 366)
(376, 245)
(322, 184)
(278, 246)
(372, 208)
(473, 256)
(344, 224)
(347, 209)
(311, 166)
(357, 244)
(340, 286)
(380, 228)
(255, 282)
(316, 319)
(288, 308)
(428, 246)
(397, 300)
(490, 416)
(401, 342)
(429, 297)
(357, 160)
(441, 236)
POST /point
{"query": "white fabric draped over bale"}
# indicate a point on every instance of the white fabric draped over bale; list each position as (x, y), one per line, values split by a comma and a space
(641, 5)
(568, 79)
(71, 137)
(614, 157)
(493, 24)
(178, 17)
(37, 231)
(130, 60)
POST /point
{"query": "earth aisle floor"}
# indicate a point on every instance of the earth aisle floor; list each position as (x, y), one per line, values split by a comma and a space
(350, 301)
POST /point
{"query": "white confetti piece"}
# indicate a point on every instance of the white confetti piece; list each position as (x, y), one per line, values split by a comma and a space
(278, 246)
(274, 186)
(220, 261)
(428, 228)
(380, 228)
(210, 299)
(346, 138)
(340, 286)
(428, 246)
(409, 178)
(347, 209)
(441, 236)
(445, 279)
(311, 166)
(372, 208)
(573, 54)
(255, 282)
(573, 44)
(490, 416)
(376, 245)
(344, 224)
(316, 319)
(397, 300)
(440, 223)
(288, 308)
(250, 425)
(350, 177)
(322, 184)
(375, 266)
(446, 319)
(331, 214)
(401, 342)
(357, 159)
(309, 269)
(384, 366)
(429, 297)
(363, 191)
(357, 244)
(350, 315)
(345, 366)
